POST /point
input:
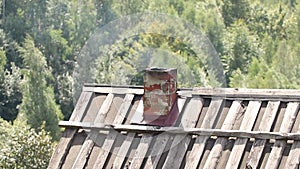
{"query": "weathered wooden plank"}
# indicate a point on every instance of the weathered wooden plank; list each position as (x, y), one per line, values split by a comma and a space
(161, 141)
(78, 140)
(208, 121)
(123, 151)
(81, 106)
(138, 114)
(208, 91)
(228, 124)
(146, 141)
(114, 90)
(265, 125)
(160, 144)
(286, 126)
(280, 94)
(191, 131)
(247, 93)
(111, 85)
(108, 143)
(101, 115)
(181, 141)
(141, 151)
(123, 110)
(89, 142)
(61, 150)
(157, 150)
(121, 155)
(293, 160)
(240, 144)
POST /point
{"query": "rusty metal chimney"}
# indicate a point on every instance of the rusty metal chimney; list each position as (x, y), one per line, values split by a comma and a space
(160, 98)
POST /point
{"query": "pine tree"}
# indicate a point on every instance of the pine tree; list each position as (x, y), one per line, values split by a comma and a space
(38, 103)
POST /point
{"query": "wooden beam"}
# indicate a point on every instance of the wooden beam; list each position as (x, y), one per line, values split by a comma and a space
(109, 141)
(240, 144)
(286, 126)
(64, 144)
(144, 146)
(247, 93)
(180, 130)
(198, 148)
(181, 141)
(88, 144)
(228, 93)
(265, 125)
(124, 148)
(216, 152)
(114, 90)
(162, 141)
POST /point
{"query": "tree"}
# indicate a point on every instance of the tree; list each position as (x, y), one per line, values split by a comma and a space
(256, 39)
(10, 93)
(38, 103)
(259, 75)
(23, 147)
(10, 79)
(233, 10)
(240, 46)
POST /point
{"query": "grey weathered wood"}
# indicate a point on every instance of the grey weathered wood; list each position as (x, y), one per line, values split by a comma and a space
(161, 142)
(181, 142)
(81, 106)
(264, 94)
(157, 150)
(247, 93)
(240, 144)
(146, 141)
(109, 141)
(293, 160)
(114, 86)
(138, 114)
(114, 90)
(123, 110)
(265, 125)
(286, 126)
(228, 124)
(192, 131)
(64, 144)
(203, 132)
(141, 151)
(121, 155)
(208, 121)
(123, 151)
(88, 144)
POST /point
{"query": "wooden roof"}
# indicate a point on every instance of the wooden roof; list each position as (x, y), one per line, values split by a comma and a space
(216, 128)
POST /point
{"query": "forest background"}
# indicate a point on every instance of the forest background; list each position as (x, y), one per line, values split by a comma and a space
(257, 41)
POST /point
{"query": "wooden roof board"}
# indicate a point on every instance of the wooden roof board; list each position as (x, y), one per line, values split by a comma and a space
(250, 111)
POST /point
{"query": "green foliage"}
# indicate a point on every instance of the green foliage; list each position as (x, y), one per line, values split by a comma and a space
(240, 46)
(124, 62)
(10, 93)
(38, 103)
(233, 10)
(259, 76)
(10, 79)
(275, 20)
(257, 41)
(2, 59)
(24, 147)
